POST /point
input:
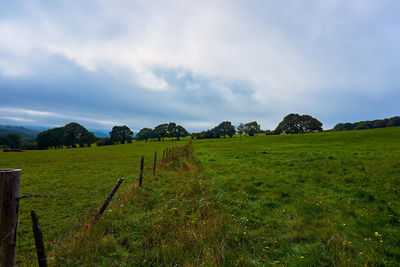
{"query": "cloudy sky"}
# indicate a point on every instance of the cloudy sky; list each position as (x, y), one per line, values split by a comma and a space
(141, 63)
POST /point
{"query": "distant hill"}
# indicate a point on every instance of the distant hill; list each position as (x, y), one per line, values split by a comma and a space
(99, 133)
(96, 132)
(29, 132)
(22, 131)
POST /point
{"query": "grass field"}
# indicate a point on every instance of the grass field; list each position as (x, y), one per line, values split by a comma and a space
(329, 198)
(315, 199)
(84, 175)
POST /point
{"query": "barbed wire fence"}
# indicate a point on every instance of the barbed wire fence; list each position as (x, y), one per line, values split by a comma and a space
(169, 155)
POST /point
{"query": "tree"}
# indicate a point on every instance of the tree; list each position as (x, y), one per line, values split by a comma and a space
(181, 132)
(145, 134)
(70, 135)
(343, 127)
(5, 142)
(294, 123)
(171, 129)
(240, 128)
(15, 139)
(226, 128)
(87, 139)
(395, 121)
(252, 128)
(364, 125)
(121, 134)
(50, 138)
(380, 123)
(161, 131)
(105, 141)
(213, 133)
(11, 140)
(75, 134)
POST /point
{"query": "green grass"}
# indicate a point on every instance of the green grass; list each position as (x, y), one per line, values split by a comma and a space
(171, 220)
(309, 199)
(330, 198)
(84, 175)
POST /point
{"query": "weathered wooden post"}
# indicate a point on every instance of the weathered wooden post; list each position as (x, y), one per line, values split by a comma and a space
(141, 171)
(154, 163)
(10, 180)
(163, 155)
(107, 200)
(37, 234)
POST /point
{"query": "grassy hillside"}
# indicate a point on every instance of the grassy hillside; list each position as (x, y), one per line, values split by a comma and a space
(330, 198)
(23, 132)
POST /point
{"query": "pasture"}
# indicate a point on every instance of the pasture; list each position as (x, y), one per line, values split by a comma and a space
(329, 198)
(83, 175)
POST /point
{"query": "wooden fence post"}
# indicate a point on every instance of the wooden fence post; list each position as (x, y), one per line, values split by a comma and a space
(154, 163)
(37, 234)
(163, 154)
(10, 180)
(141, 171)
(107, 200)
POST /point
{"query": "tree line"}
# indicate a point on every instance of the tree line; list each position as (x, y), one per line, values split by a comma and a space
(291, 124)
(122, 134)
(171, 130)
(360, 125)
(226, 128)
(73, 134)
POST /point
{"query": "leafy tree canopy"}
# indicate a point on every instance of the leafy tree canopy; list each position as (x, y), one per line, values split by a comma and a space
(145, 134)
(226, 128)
(161, 131)
(240, 128)
(121, 134)
(169, 130)
(294, 123)
(70, 135)
(11, 140)
(360, 125)
(251, 128)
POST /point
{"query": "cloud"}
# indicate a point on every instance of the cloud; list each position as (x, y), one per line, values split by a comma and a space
(18, 119)
(28, 112)
(48, 115)
(200, 61)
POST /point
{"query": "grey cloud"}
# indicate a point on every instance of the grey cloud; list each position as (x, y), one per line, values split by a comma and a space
(143, 63)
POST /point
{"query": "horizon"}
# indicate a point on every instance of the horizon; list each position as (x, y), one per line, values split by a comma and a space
(142, 64)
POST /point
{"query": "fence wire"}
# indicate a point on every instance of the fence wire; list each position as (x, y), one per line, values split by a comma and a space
(173, 153)
(29, 195)
(9, 233)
